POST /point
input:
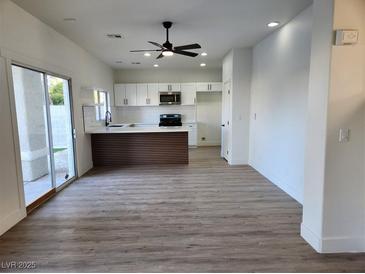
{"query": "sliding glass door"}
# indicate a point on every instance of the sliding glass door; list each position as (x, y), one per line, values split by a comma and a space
(62, 129)
(44, 117)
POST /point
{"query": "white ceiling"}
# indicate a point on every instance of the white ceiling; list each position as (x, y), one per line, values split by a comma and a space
(218, 25)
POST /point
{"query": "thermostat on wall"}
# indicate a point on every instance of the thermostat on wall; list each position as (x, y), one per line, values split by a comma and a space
(346, 37)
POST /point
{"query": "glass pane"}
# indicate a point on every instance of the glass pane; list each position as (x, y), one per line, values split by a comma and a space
(61, 124)
(31, 113)
(103, 104)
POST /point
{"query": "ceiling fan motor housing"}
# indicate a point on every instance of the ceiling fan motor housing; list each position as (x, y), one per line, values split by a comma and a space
(167, 24)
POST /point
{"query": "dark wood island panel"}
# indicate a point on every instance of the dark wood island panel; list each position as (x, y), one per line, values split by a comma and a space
(121, 149)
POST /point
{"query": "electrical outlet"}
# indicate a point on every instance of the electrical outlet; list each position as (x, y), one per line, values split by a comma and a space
(203, 138)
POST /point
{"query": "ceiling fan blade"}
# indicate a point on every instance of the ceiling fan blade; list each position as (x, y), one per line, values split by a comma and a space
(192, 46)
(143, 50)
(186, 53)
(156, 44)
(160, 56)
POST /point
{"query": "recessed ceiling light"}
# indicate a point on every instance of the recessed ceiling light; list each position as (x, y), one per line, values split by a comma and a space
(204, 54)
(167, 53)
(147, 54)
(203, 65)
(156, 65)
(69, 19)
(273, 24)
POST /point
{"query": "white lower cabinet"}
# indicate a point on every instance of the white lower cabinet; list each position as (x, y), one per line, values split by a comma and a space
(193, 134)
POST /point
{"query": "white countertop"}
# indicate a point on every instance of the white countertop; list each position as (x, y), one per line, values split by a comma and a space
(140, 129)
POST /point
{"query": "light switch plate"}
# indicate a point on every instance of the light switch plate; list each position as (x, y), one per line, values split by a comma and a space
(344, 135)
(346, 37)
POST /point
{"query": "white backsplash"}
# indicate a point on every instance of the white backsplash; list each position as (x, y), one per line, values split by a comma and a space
(151, 115)
(90, 121)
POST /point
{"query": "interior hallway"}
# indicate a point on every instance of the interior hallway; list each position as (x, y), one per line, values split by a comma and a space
(205, 217)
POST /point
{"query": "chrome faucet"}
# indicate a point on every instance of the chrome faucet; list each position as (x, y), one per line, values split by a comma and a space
(108, 118)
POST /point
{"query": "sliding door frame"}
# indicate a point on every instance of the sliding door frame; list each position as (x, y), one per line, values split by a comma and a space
(55, 189)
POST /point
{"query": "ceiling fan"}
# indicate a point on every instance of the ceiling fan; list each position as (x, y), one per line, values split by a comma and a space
(167, 49)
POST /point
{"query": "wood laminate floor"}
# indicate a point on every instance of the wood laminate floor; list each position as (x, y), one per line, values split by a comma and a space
(205, 217)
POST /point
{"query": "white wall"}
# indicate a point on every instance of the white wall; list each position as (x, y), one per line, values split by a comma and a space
(161, 75)
(237, 70)
(25, 39)
(344, 189)
(334, 204)
(279, 104)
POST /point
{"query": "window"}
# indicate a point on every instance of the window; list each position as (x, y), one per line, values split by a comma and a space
(101, 100)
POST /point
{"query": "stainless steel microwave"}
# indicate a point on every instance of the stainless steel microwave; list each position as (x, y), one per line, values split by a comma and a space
(170, 98)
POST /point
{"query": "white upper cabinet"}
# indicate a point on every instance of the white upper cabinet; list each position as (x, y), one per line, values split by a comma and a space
(188, 93)
(142, 94)
(131, 94)
(119, 95)
(153, 95)
(166, 87)
(125, 94)
(209, 87)
(148, 94)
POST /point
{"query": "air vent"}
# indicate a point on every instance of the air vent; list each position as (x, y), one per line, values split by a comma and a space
(136, 63)
(114, 36)
(119, 62)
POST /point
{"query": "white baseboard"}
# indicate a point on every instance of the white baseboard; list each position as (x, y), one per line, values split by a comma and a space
(332, 244)
(11, 220)
(312, 238)
(209, 144)
(343, 245)
(292, 192)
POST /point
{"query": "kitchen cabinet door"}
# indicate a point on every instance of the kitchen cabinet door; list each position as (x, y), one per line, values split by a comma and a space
(142, 94)
(166, 87)
(216, 87)
(175, 87)
(131, 94)
(163, 87)
(193, 134)
(119, 95)
(188, 94)
(202, 87)
(209, 87)
(153, 98)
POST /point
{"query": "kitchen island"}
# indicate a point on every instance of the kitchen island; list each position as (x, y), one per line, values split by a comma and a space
(139, 145)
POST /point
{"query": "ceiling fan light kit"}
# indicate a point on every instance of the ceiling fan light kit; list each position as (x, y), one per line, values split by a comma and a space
(168, 49)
